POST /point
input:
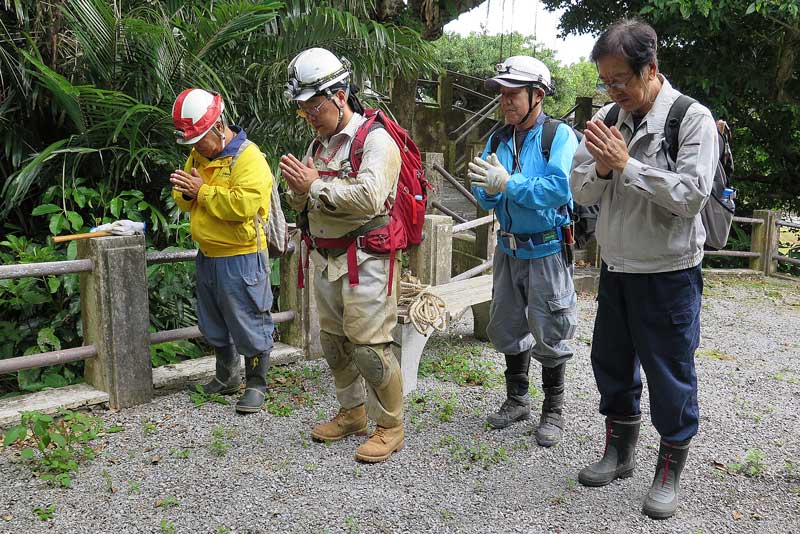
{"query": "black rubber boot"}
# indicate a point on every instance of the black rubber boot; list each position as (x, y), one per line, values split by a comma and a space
(619, 456)
(517, 406)
(228, 378)
(662, 499)
(256, 388)
(551, 423)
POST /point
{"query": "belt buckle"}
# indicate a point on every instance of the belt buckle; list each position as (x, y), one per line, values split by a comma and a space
(360, 241)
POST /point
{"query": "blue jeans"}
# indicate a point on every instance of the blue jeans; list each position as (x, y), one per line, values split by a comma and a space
(234, 298)
(652, 320)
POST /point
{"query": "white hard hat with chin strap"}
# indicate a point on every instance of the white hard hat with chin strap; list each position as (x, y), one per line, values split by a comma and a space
(316, 71)
(522, 71)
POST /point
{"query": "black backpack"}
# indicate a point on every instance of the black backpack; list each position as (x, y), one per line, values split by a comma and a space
(584, 217)
(717, 215)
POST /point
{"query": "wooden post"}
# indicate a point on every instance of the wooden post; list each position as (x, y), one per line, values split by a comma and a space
(116, 319)
(429, 159)
(583, 113)
(303, 331)
(764, 240)
(430, 261)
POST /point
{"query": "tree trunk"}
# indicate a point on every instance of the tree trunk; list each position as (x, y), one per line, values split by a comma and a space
(787, 58)
(404, 97)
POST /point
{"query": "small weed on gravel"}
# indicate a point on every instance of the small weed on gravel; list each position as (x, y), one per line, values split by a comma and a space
(134, 487)
(752, 466)
(45, 513)
(167, 502)
(473, 452)
(200, 397)
(219, 445)
(287, 388)
(463, 364)
(59, 443)
(167, 527)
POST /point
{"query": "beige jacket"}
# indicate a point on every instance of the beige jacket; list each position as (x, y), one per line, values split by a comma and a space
(337, 205)
(649, 218)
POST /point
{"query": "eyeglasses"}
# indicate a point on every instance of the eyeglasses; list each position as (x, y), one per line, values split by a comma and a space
(603, 86)
(304, 113)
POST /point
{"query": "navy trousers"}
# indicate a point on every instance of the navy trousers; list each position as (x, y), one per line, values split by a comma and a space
(652, 320)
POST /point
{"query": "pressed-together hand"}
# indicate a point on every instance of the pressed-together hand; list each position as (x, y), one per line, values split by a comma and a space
(299, 176)
(187, 183)
(607, 147)
(489, 174)
(121, 227)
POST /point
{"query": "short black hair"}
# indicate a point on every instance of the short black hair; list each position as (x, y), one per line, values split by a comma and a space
(633, 40)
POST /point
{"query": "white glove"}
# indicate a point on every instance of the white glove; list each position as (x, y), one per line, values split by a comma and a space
(489, 174)
(121, 227)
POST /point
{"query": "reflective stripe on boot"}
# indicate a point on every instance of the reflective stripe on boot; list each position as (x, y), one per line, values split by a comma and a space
(662, 499)
(256, 390)
(619, 456)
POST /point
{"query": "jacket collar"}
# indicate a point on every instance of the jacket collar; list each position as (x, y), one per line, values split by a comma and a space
(506, 132)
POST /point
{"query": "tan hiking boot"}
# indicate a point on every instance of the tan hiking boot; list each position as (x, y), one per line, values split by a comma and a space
(381, 445)
(345, 423)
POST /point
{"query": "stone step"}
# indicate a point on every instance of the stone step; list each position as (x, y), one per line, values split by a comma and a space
(49, 401)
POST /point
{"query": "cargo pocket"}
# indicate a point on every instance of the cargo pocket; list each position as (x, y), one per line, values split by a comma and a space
(257, 288)
(564, 312)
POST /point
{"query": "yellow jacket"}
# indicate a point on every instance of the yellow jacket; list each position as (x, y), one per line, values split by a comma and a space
(222, 215)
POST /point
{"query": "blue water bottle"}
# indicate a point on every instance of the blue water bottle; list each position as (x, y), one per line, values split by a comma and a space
(727, 193)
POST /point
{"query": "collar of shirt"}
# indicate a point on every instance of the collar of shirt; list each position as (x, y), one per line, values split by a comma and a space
(233, 147)
(348, 131)
(655, 119)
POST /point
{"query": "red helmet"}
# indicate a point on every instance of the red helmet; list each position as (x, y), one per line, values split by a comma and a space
(194, 113)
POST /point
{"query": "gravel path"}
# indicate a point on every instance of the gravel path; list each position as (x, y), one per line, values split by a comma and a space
(262, 473)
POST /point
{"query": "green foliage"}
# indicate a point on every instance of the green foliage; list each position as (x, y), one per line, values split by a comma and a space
(200, 397)
(740, 57)
(167, 502)
(45, 513)
(59, 445)
(478, 53)
(288, 387)
(463, 364)
(167, 527)
(473, 452)
(752, 466)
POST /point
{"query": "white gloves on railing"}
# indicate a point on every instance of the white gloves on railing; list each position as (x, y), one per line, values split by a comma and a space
(121, 227)
(489, 174)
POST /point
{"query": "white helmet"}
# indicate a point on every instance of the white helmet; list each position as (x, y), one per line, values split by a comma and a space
(194, 113)
(313, 71)
(521, 71)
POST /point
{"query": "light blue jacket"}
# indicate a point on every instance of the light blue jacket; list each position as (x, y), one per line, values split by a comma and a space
(534, 194)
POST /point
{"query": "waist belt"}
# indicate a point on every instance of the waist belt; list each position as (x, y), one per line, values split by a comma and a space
(350, 244)
(529, 241)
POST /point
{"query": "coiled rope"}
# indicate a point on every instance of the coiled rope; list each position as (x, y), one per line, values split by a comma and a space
(426, 311)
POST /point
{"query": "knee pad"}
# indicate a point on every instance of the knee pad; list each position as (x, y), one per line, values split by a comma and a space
(333, 350)
(371, 363)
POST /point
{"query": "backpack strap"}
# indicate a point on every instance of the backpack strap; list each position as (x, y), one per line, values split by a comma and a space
(501, 134)
(357, 147)
(612, 116)
(549, 129)
(672, 125)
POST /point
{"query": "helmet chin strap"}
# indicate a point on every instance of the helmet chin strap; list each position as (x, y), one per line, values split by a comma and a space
(531, 107)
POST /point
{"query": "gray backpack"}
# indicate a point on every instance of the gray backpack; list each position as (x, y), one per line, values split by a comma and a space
(275, 228)
(717, 215)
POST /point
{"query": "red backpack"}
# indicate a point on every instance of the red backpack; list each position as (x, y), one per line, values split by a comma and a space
(406, 216)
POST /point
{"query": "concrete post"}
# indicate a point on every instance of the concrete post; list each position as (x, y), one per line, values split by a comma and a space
(116, 319)
(764, 240)
(431, 260)
(429, 159)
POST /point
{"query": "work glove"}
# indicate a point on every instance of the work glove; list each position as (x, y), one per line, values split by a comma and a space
(121, 227)
(489, 174)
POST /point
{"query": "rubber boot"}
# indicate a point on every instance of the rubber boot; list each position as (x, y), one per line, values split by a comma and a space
(345, 423)
(619, 456)
(551, 422)
(227, 379)
(256, 387)
(662, 499)
(517, 406)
